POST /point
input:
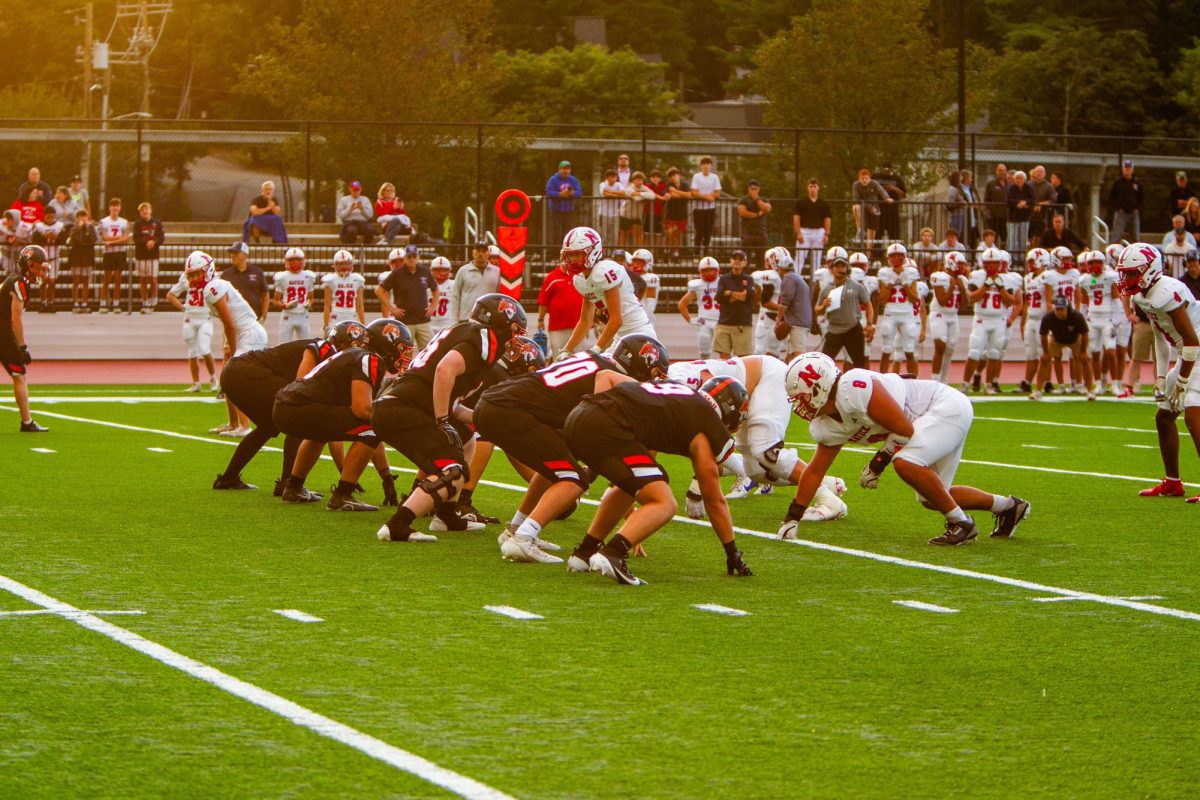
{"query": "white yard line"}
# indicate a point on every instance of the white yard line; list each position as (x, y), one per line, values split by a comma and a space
(53, 399)
(41, 450)
(1065, 424)
(31, 612)
(1143, 446)
(1040, 446)
(1065, 599)
(917, 604)
(718, 609)
(295, 713)
(299, 616)
(159, 450)
(512, 613)
(830, 548)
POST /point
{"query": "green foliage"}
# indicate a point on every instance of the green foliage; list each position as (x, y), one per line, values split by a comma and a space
(1184, 88)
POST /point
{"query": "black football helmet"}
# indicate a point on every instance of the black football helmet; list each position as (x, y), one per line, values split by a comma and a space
(348, 333)
(523, 355)
(391, 341)
(730, 400)
(32, 257)
(501, 314)
(642, 357)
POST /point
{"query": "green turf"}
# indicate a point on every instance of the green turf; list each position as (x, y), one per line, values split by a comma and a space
(828, 689)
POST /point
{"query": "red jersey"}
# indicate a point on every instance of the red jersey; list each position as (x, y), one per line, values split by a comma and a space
(563, 302)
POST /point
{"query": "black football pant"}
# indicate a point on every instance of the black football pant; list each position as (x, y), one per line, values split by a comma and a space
(252, 389)
(854, 342)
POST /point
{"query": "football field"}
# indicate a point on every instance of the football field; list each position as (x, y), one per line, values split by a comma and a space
(143, 651)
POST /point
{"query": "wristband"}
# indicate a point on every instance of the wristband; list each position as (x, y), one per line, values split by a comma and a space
(795, 512)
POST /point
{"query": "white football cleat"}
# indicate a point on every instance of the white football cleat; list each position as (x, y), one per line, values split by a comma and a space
(835, 485)
(524, 549)
(509, 531)
(741, 488)
(384, 534)
(788, 529)
(694, 504)
(577, 564)
(436, 524)
(222, 428)
(195, 387)
(542, 544)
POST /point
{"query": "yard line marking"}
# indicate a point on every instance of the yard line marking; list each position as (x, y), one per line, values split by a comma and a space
(30, 612)
(717, 609)
(295, 713)
(1066, 424)
(1040, 446)
(917, 604)
(1063, 599)
(42, 450)
(132, 400)
(299, 616)
(1142, 446)
(831, 548)
(513, 613)
(159, 450)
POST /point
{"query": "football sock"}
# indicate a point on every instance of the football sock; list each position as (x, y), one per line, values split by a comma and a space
(295, 483)
(956, 514)
(403, 518)
(529, 528)
(447, 513)
(619, 546)
(247, 448)
(518, 518)
(344, 488)
(694, 486)
(1001, 503)
(464, 496)
(291, 445)
(730, 547)
(588, 546)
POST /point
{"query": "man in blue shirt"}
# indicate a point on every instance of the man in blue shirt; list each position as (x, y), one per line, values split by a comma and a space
(561, 191)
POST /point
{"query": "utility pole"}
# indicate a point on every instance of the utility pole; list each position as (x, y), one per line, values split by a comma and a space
(962, 87)
(89, 37)
(145, 37)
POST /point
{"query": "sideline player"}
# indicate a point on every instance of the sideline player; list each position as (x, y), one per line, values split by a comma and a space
(703, 292)
(896, 295)
(605, 287)
(1175, 316)
(14, 351)
(441, 319)
(1037, 262)
(991, 296)
(343, 292)
(949, 287)
(243, 332)
(642, 265)
(293, 295)
(616, 431)
(769, 281)
(1061, 281)
(1098, 298)
(197, 331)
(925, 420)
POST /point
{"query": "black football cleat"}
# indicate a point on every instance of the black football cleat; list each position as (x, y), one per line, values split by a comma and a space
(301, 495)
(344, 502)
(472, 514)
(736, 565)
(956, 533)
(32, 427)
(1007, 521)
(235, 482)
(1026, 387)
(611, 566)
(976, 382)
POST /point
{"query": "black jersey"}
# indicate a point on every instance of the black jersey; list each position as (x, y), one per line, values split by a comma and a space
(665, 416)
(552, 392)
(475, 343)
(283, 360)
(13, 286)
(329, 382)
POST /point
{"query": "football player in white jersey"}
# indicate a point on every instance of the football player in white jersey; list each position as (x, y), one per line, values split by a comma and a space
(926, 421)
(441, 318)
(604, 285)
(1175, 316)
(920, 314)
(1100, 302)
(1061, 282)
(992, 298)
(343, 292)
(769, 281)
(949, 286)
(859, 265)
(642, 263)
(1037, 261)
(703, 292)
(293, 294)
(821, 278)
(197, 330)
(895, 296)
(243, 333)
(761, 456)
(1123, 330)
(1016, 286)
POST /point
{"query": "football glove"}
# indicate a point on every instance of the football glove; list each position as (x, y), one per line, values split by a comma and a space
(290, 306)
(25, 357)
(389, 489)
(1160, 389)
(1175, 401)
(736, 565)
(563, 355)
(695, 505)
(447, 428)
(869, 477)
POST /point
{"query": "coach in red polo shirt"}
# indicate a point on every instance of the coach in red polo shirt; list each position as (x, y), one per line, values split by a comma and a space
(564, 304)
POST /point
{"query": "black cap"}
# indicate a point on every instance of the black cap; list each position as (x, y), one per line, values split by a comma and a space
(481, 245)
(751, 183)
(739, 254)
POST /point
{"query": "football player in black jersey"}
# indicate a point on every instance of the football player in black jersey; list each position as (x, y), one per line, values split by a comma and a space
(333, 403)
(525, 416)
(14, 351)
(616, 432)
(420, 416)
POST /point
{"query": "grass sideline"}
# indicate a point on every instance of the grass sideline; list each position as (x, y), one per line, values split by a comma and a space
(827, 688)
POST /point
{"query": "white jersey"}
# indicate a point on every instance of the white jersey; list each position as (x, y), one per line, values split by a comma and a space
(244, 318)
(893, 290)
(705, 292)
(822, 277)
(769, 284)
(441, 319)
(607, 275)
(991, 305)
(113, 227)
(854, 391)
(922, 296)
(1061, 284)
(689, 372)
(1096, 294)
(344, 295)
(295, 287)
(1035, 295)
(194, 306)
(1013, 282)
(52, 236)
(948, 282)
(1166, 295)
(649, 304)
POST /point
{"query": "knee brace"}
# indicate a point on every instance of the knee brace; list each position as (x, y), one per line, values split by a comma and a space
(776, 465)
(995, 354)
(975, 354)
(442, 485)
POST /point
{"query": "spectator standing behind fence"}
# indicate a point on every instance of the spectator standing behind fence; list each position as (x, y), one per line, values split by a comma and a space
(706, 188)
(14, 234)
(868, 196)
(1060, 235)
(266, 218)
(49, 233)
(356, 214)
(114, 232)
(1191, 216)
(951, 243)
(889, 214)
(995, 201)
(473, 280)
(560, 305)
(409, 293)
(633, 213)
(1191, 274)
(41, 190)
(79, 196)
(148, 237)
(390, 214)
(811, 220)
(1178, 223)
(971, 217)
(1176, 245)
(927, 253)
(1125, 200)
(612, 197)
(32, 210)
(1019, 199)
(752, 212)
(737, 294)
(956, 202)
(679, 193)
(64, 207)
(1062, 194)
(1044, 196)
(81, 259)
(1181, 193)
(561, 190)
(624, 173)
(655, 210)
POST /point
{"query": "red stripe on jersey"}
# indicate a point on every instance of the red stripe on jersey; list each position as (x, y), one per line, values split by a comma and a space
(638, 460)
(374, 362)
(359, 429)
(558, 465)
(22, 291)
(493, 346)
(442, 463)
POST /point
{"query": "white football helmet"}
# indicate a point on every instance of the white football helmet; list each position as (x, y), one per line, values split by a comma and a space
(1093, 261)
(809, 380)
(992, 260)
(956, 263)
(493, 254)
(898, 252)
(709, 264)
(836, 254)
(581, 249)
(1005, 260)
(293, 259)
(859, 260)
(343, 263)
(646, 257)
(778, 258)
(1064, 259)
(1139, 266)
(1112, 254)
(397, 254)
(441, 262)
(198, 269)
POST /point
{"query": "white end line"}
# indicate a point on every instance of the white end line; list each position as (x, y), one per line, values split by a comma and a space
(917, 604)
(512, 613)
(719, 609)
(299, 616)
(30, 612)
(295, 713)
(42, 450)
